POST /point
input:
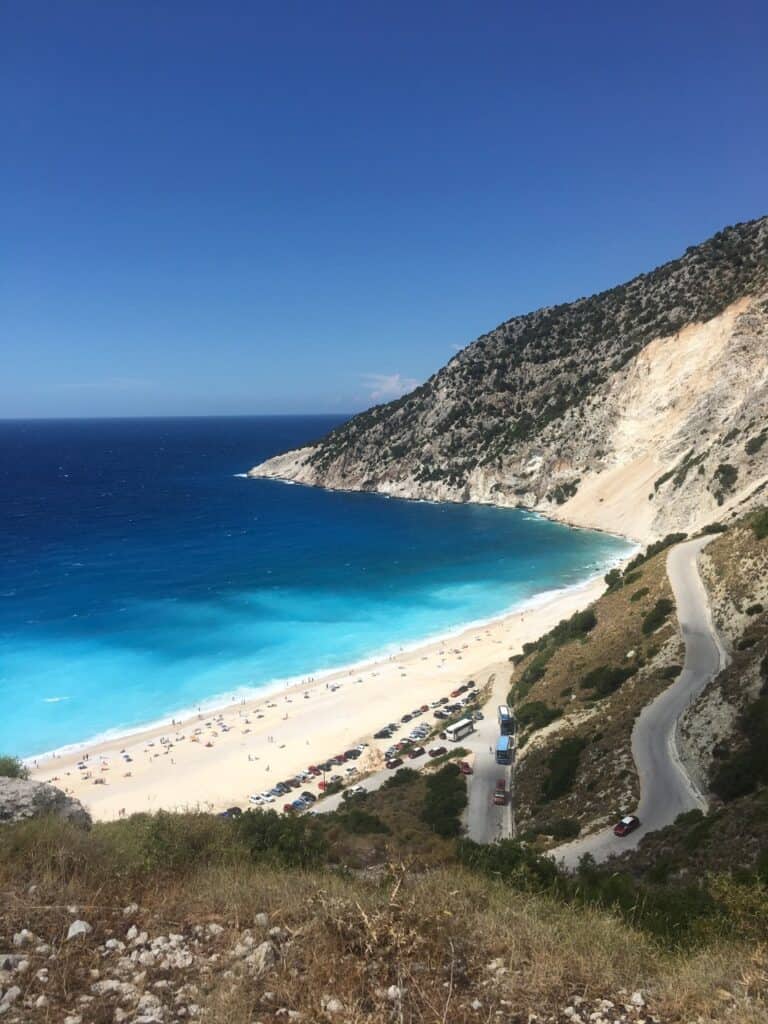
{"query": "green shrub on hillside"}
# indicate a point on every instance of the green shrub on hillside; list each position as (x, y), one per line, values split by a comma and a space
(760, 523)
(639, 594)
(536, 714)
(13, 767)
(445, 800)
(562, 765)
(402, 777)
(742, 772)
(606, 679)
(655, 549)
(658, 615)
(360, 822)
(290, 840)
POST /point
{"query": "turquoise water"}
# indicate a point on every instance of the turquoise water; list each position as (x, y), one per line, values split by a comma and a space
(141, 576)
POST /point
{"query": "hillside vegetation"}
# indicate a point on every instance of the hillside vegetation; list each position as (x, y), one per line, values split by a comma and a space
(655, 388)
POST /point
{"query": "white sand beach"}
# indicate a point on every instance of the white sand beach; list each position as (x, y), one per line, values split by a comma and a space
(215, 759)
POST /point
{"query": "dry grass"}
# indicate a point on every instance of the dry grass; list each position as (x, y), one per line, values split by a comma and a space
(447, 938)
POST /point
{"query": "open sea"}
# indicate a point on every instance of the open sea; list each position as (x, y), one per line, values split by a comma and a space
(140, 575)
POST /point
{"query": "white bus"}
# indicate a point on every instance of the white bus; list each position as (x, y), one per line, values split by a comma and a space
(460, 729)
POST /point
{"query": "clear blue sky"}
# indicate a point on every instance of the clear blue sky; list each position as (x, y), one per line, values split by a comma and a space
(254, 207)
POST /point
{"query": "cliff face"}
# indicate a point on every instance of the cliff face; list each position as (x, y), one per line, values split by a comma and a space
(641, 410)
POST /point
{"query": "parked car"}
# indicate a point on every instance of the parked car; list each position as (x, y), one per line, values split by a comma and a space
(394, 762)
(478, 716)
(406, 718)
(231, 812)
(437, 751)
(466, 768)
(309, 797)
(500, 792)
(416, 752)
(424, 707)
(627, 824)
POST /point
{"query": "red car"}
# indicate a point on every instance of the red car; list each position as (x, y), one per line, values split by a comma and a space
(465, 768)
(394, 762)
(627, 824)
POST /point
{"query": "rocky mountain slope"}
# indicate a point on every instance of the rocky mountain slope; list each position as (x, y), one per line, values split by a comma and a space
(641, 410)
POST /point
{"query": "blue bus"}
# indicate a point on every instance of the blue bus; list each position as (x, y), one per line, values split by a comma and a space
(506, 721)
(504, 750)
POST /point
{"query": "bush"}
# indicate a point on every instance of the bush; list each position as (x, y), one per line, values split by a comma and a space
(754, 609)
(536, 715)
(13, 767)
(562, 765)
(446, 799)
(725, 475)
(671, 671)
(560, 828)
(606, 679)
(742, 772)
(658, 615)
(639, 594)
(287, 840)
(754, 444)
(180, 842)
(360, 822)
(655, 548)
(760, 523)
(714, 528)
(613, 579)
(402, 777)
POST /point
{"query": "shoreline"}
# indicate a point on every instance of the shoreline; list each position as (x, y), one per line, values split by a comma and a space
(252, 474)
(249, 745)
(254, 694)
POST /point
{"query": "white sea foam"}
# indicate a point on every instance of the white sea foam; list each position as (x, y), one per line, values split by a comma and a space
(54, 700)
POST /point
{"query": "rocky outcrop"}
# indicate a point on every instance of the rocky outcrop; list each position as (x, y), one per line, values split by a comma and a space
(21, 799)
(641, 410)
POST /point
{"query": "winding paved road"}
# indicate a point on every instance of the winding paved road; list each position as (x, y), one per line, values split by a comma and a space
(665, 788)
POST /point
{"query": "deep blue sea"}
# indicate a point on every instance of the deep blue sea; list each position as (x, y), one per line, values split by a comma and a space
(140, 575)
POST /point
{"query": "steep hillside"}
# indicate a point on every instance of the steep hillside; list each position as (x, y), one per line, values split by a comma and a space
(641, 409)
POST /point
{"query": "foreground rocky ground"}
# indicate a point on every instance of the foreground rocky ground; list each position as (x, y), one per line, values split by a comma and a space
(146, 978)
(171, 919)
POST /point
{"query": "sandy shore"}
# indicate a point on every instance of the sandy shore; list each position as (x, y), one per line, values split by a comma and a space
(216, 759)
